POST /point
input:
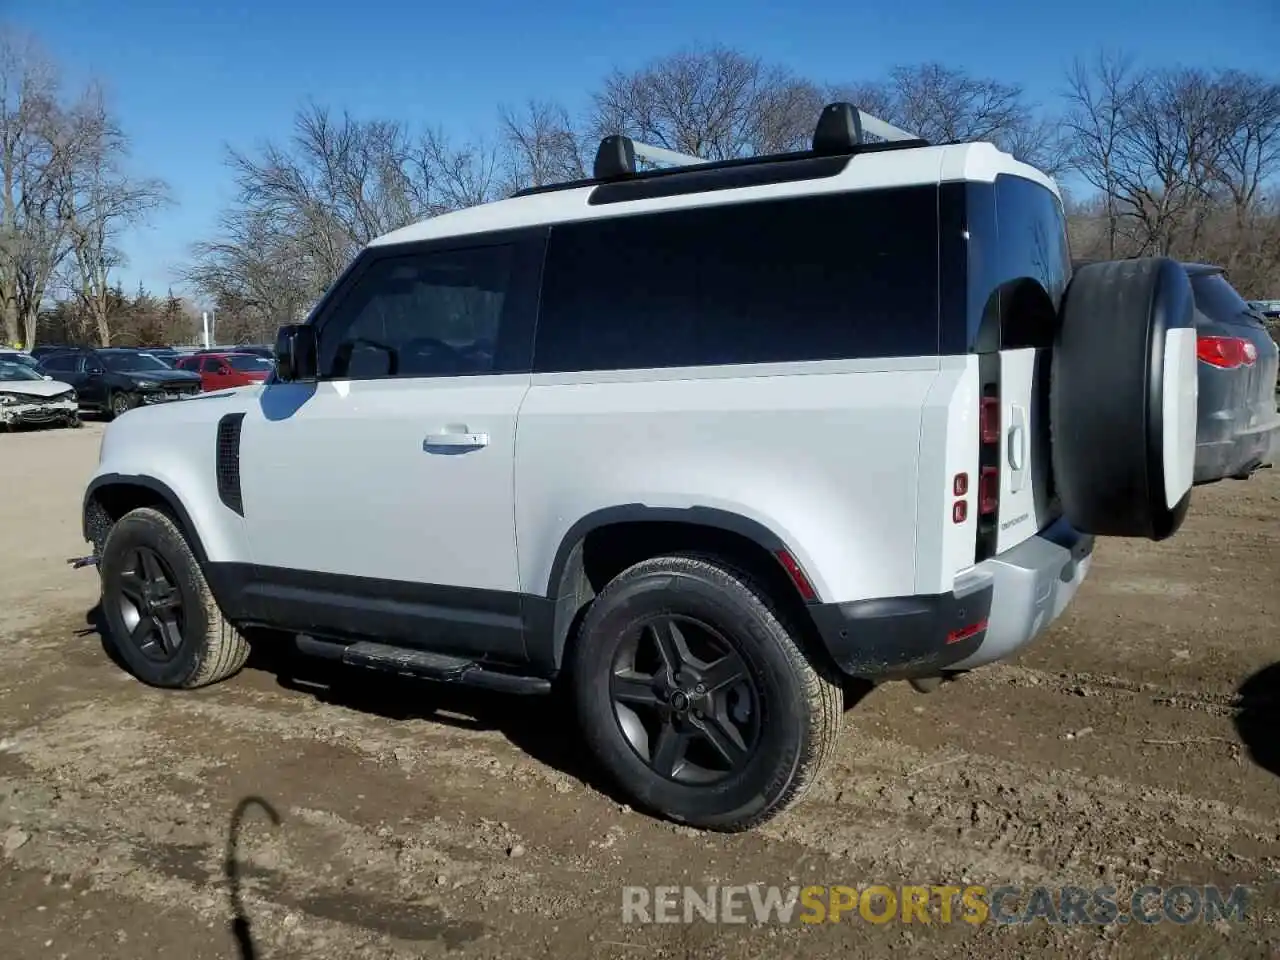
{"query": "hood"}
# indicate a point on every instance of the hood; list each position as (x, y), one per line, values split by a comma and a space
(162, 376)
(35, 388)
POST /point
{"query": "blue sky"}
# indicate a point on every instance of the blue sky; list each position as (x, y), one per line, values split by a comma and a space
(188, 78)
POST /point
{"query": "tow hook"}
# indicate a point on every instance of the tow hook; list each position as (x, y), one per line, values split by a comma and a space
(78, 562)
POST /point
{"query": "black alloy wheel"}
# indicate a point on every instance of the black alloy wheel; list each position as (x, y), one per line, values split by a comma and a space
(151, 606)
(685, 700)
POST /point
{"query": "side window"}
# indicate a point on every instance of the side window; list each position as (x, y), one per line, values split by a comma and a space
(1032, 231)
(1033, 234)
(429, 314)
(63, 363)
(210, 365)
(836, 276)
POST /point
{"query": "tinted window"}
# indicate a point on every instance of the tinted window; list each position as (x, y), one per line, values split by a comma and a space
(210, 365)
(420, 315)
(1032, 236)
(133, 362)
(815, 278)
(1218, 300)
(65, 362)
(250, 364)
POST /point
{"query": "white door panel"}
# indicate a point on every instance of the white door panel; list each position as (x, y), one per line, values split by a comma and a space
(1024, 464)
(398, 479)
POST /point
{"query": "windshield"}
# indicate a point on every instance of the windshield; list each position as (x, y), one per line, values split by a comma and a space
(132, 362)
(1219, 301)
(248, 363)
(12, 370)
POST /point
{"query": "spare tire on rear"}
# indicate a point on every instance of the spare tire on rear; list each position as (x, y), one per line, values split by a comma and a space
(1122, 398)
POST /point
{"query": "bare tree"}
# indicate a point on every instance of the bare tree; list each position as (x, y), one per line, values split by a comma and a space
(711, 102)
(306, 206)
(457, 175)
(33, 154)
(1170, 143)
(99, 199)
(1249, 146)
(544, 145)
(1100, 99)
(947, 105)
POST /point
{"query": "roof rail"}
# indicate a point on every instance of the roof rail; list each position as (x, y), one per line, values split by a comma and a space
(840, 131)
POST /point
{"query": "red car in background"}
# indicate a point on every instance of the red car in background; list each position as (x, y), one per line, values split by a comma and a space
(219, 371)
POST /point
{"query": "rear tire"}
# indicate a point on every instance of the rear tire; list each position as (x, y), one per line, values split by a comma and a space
(749, 721)
(162, 622)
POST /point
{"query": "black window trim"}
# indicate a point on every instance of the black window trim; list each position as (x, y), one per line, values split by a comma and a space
(526, 287)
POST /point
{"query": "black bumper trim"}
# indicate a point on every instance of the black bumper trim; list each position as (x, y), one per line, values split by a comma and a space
(899, 637)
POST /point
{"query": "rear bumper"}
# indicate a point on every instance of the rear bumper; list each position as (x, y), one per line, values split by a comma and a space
(996, 608)
(1240, 453)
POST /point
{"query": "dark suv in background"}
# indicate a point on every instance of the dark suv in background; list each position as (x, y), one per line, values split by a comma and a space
(114, 380)
(1238, 424)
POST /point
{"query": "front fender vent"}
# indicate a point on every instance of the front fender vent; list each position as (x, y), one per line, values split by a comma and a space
(227, 461)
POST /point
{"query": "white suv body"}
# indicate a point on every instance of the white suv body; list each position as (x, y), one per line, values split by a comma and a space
(778, 364)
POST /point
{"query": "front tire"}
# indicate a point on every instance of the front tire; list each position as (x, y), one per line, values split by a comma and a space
(694, 695)
(162, 621)
(120, 403)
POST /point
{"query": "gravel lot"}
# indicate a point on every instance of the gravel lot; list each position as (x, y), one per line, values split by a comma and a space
(1136, 743)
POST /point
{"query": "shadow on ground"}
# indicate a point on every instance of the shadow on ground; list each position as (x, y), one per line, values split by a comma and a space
(1258, 719)
(241, 926)
(544, 727)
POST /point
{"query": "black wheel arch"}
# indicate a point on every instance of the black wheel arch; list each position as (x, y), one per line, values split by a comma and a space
(604, 542)
(111, 495)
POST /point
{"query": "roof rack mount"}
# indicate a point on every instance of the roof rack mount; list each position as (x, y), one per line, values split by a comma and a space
(840, 130)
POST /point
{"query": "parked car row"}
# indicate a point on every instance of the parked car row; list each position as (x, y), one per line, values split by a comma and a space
(53, 384)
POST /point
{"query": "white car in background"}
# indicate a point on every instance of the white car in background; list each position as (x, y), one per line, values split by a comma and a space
(29, 397)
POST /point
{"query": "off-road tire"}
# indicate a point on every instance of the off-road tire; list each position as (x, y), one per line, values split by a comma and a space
(212, 649)
(801, 708)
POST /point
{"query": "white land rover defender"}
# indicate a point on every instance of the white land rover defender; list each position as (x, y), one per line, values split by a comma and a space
(706, 445)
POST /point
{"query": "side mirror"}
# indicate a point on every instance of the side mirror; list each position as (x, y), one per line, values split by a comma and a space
(47, 377)
(295, 353)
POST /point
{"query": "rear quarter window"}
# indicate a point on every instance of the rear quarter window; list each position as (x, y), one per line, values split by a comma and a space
(1219, 302)
(837, 276)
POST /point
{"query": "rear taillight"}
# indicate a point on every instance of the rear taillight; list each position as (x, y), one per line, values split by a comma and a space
(989, 491)
(989, 420)
(1226, 353)
(987, 483)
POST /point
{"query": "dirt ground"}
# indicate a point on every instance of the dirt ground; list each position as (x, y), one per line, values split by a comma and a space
(1134, 743)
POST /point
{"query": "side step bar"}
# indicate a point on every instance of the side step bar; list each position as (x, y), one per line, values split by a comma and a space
(421, 663)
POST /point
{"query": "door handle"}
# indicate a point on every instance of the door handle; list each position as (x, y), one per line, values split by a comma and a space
(1017, 452)
(455, 440)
